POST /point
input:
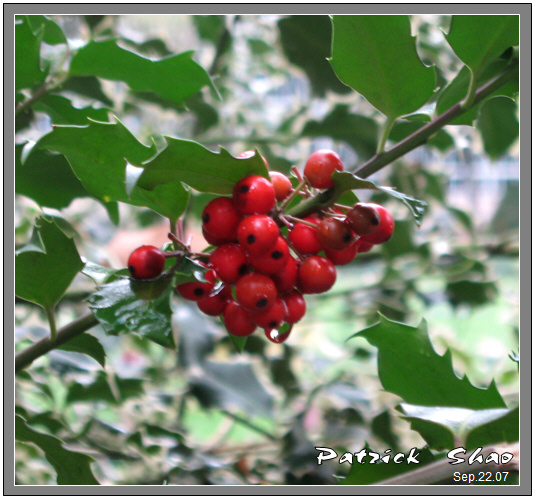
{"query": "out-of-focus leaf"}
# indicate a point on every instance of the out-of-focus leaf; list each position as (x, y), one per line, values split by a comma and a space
(88, 86)
(474, 293)
(28, 72)
(71, 467)
(86, 344)
(409, 367)
(62, 112)
(174, 78)
(111, 389)
(376, 56)
(498, 124)
(43, 276)
(306, 41)
(52, 33)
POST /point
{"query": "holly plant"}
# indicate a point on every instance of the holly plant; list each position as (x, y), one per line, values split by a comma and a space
(304, 235)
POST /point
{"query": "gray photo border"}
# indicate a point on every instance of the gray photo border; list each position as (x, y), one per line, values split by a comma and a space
(522, 9)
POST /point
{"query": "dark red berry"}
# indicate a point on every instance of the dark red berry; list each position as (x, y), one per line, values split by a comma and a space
(237, 320)
(286, 278)
(258, 234)
(229, 262)
(220, 220)
(273, 261)
(282, 185)
(320, 167)
(254, 195)
(363, 246)
(316, 275)
(334, 234)
(343, 257)
(385, 228)
(256, 292)
(304, 238)
(276, 335)
(272, 317)
(214, 305)
(295, 306)
(146, 262)
(363, 218)
(196, 290)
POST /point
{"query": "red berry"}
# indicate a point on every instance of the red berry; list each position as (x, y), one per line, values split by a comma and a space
(363, 246)
(272, 317)
(363, 218)
(282, 185)
(214, 305)
(273, 261)
(211, 240)
(276, 336)
(220, 220)
(304, 237)
(316, 275)
(334, 234)
(256, 292)
(320, 167)
(146, 262)
(258, 234)
(229, 262)
(286, 278)
(254, 195)
(296, 307)
(343, 257)
(384, 230)
(237, 320)
(196, 290)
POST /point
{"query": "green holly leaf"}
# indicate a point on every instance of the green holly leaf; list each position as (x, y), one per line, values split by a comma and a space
(45, 268)
(376, 56)
(480, 39)
(173, 78)
(72, 467)
(125, 305)
(62, 112)
(193, 164)
(28, 72)
(52, 33)
(346, 180)
(410, 368)
(88, 345)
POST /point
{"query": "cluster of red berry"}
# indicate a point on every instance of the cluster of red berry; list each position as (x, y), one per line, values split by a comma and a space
(265, 260)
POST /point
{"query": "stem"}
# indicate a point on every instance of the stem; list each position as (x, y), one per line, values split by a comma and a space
(52, 322)
(24, 358)
(387, 127)
(416, 139)
(28, 103)
(249, 424)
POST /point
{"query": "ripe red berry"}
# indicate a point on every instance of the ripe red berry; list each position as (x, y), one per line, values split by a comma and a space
(334, 234)
(316, 275)
(385, 228)
(146, 262)
(304, 237)
(237, 320)
(343, 257)
(363, 246)
(214, 305)
(220, 220)
(281, 183)
(363, 218)
(320, 167)
(254, 195)
(256, 292)
(296, 307)
(286, 278)
(229, 262)
(273, 261)
(258, 234)
(196, 290)
(272, 317)
(277, 336)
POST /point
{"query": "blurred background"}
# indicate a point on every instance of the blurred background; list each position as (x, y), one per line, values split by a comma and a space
(208, 415)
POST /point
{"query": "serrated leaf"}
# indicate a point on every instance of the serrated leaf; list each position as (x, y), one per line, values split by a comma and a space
(174, 78)
(120, 308)
(231, 386)
(347, 180)
(498, 124)
(99, 154)
(306, 42)
(376, 56)
(28, 71)
(71, 467)
(204, 170)
(62, 112)
(460, 422)
(99, 274)
(480, 39)
(43, 278)
(88, 86)
(359, 132)
(86, 344)
(409, 367)
(52, 33)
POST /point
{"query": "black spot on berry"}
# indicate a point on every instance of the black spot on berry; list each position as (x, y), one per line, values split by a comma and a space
(243, 269)
(198, 292)
(262, 302)
(277, 255)
(347, 237)
(251, 239)
(244, 189)
(206, 218)
(273, 324)
(132, 270)
(374, 221)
